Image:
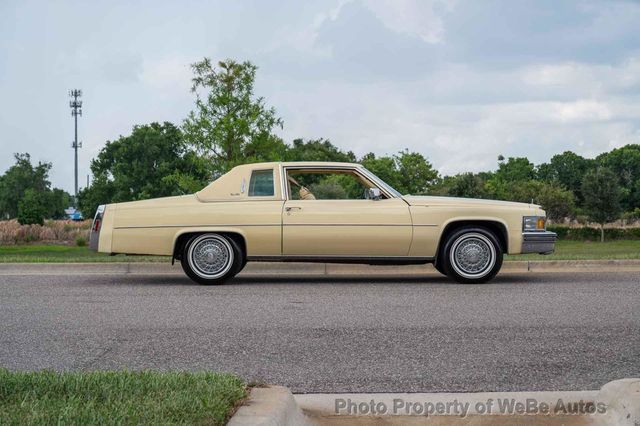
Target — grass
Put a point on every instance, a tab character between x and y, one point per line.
565	250
583	250
59	253
118	397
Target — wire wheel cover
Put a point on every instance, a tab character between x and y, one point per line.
210	256
473	255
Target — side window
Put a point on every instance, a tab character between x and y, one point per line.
308	184
261	183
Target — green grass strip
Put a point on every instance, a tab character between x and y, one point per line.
565	250
117	397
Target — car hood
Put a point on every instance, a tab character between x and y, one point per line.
426	200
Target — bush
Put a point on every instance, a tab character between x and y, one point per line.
587	233
81	241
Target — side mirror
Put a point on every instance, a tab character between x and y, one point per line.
373	193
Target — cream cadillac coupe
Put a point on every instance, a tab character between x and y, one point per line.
320	212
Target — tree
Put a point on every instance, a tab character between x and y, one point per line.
18	179
57	201
31	209
566	169
415	173
558	202
625	164
515	169
407	172
151	162
317	150
384	168
465	185
602	194
229	125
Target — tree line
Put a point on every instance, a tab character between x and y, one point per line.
230	125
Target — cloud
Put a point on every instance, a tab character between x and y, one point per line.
459	81
421	18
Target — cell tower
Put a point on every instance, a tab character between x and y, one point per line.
76	110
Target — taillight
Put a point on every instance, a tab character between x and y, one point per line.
97	219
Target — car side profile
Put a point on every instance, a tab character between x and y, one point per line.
320	212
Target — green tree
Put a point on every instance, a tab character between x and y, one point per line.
515	169
317	150
602	195
151	162
566	169
18	179
407	172
57	201
32	208
625	164
465	185
383	167
415	173
558	202
229	125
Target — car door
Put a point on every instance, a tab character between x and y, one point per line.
346	227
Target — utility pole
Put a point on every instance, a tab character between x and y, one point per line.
76	110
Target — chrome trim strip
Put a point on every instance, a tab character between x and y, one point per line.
345	224
192	226
266	224
397	260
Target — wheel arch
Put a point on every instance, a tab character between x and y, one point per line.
497	226
181	238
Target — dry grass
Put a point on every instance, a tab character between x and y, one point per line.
53	231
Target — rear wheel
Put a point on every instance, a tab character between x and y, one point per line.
472	255
211	258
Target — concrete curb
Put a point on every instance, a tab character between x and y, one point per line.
273	406
617	403
623	399
306	269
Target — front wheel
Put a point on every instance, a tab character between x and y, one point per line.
211	258
472	255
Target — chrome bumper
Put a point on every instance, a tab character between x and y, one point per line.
96	226
543	242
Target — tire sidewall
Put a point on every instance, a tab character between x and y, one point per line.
446	255
232	269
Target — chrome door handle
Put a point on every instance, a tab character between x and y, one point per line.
288	209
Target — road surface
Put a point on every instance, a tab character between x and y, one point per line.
524	331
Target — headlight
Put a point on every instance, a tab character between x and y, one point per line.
534	223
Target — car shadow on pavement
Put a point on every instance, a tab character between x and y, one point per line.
167	280
365	279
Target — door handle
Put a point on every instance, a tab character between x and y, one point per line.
288	209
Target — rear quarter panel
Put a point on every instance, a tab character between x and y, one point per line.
152	226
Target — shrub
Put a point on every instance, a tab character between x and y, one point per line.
57	231
81	241
587	233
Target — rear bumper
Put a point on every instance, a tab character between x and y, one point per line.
96	227
539	242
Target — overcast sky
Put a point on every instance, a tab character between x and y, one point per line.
459	81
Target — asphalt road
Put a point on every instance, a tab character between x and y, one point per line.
527	331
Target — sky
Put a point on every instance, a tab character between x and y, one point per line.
459	81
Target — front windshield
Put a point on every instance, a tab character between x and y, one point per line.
382	183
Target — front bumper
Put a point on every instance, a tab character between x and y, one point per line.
541	242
